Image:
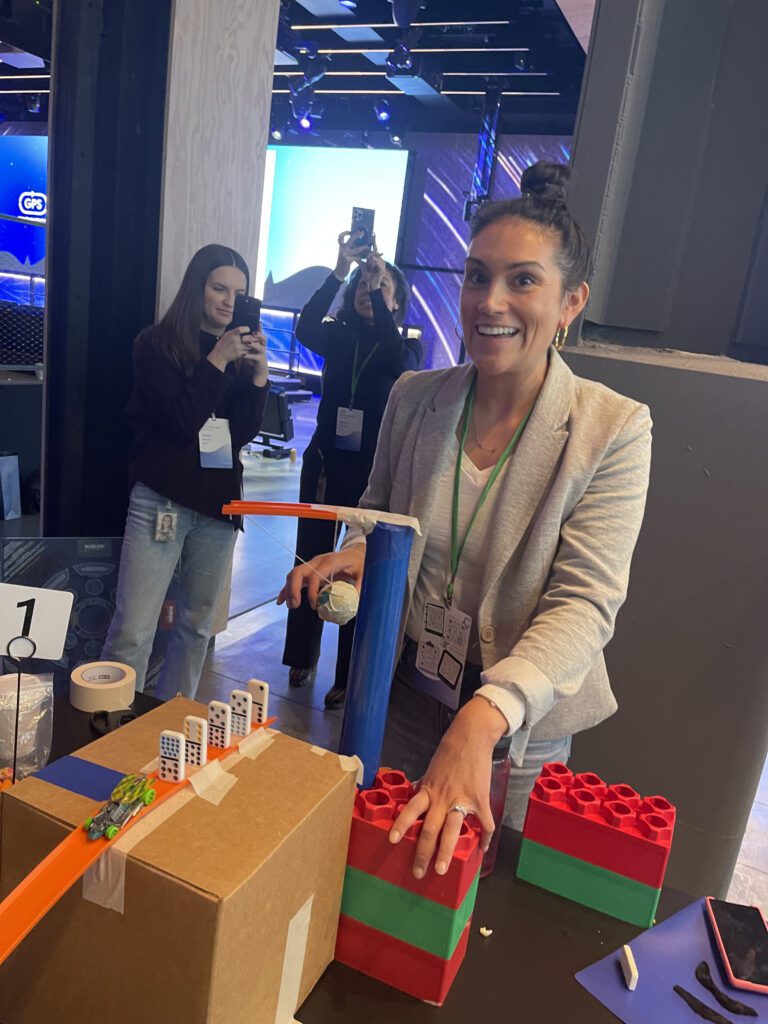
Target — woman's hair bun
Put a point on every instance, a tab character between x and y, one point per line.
545	181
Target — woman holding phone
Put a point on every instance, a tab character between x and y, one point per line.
364	353
198	396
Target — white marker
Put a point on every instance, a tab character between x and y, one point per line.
170	762
196	735
241	702
259	691
219	724
629	968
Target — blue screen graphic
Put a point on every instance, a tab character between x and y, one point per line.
23	184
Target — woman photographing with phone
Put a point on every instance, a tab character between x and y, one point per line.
198	396
364	354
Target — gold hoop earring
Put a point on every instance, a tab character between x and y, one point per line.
561	335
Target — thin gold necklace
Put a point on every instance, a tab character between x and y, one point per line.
480	445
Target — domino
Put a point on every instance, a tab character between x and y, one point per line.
171	767
219	724
196	735
241	702
259	692
629	968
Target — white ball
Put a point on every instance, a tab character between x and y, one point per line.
338	602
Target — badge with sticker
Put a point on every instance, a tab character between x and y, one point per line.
442	653
215	444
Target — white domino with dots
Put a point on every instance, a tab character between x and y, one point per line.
240	701
170	762
219	724
259	691
196	735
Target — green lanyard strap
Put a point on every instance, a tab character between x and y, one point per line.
456	547
357	374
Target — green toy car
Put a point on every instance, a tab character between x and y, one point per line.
128	797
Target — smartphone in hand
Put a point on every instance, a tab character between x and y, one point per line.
362	227
247	313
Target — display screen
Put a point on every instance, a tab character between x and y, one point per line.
309	193
23	187
745	939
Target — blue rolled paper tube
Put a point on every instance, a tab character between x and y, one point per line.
375	647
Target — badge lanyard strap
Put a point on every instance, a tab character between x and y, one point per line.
357	374
456	547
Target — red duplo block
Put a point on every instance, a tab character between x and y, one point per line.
612	827
396	963
371	851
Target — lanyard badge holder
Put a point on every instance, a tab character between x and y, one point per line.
445	630
215	442
349	421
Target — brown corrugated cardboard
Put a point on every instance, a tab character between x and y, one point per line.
209	894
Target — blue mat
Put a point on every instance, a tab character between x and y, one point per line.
667	955
79	776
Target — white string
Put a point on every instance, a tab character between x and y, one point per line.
292	552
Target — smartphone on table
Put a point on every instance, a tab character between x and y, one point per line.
247	313
362	227
741	934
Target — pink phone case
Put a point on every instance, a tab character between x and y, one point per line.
733	980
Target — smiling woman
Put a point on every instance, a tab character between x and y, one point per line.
529	484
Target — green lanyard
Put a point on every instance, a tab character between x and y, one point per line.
357	374
456	547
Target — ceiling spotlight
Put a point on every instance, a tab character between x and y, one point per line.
305	122
400	59
277	134
396	138
404	11
382	111
351	4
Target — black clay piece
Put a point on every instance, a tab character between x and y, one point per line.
704	977
701	1008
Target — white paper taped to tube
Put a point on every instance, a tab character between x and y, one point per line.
338	602
366	518
102	686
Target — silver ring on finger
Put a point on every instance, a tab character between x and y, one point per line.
464	811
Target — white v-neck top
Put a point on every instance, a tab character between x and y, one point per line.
436	563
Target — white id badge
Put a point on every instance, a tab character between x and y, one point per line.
215	444
442	653
165	524
349	429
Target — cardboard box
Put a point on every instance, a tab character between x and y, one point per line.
212	926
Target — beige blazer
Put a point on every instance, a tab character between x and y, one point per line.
573	497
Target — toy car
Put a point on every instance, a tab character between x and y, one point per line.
129	796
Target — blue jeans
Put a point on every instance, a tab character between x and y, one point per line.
203	550
416	723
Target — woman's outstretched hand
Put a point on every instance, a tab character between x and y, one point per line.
459	774
350	251
346	564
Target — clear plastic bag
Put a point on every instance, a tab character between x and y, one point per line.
35	721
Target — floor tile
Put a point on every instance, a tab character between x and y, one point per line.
754	846
750	887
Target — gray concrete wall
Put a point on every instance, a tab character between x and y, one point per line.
689	661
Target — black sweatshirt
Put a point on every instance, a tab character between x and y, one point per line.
335	341
166	410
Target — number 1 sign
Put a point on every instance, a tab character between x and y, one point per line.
41	615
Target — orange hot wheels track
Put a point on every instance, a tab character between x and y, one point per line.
34	896
298	509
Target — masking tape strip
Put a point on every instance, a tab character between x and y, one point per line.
104	881
212	783
366	518
318	750
352	764
102	686
255	744
293	964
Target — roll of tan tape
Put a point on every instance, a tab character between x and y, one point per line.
102	686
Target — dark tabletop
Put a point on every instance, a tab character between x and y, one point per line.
522	974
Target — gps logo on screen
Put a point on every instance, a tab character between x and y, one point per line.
33	204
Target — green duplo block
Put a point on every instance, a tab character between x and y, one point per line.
585	883
404	915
